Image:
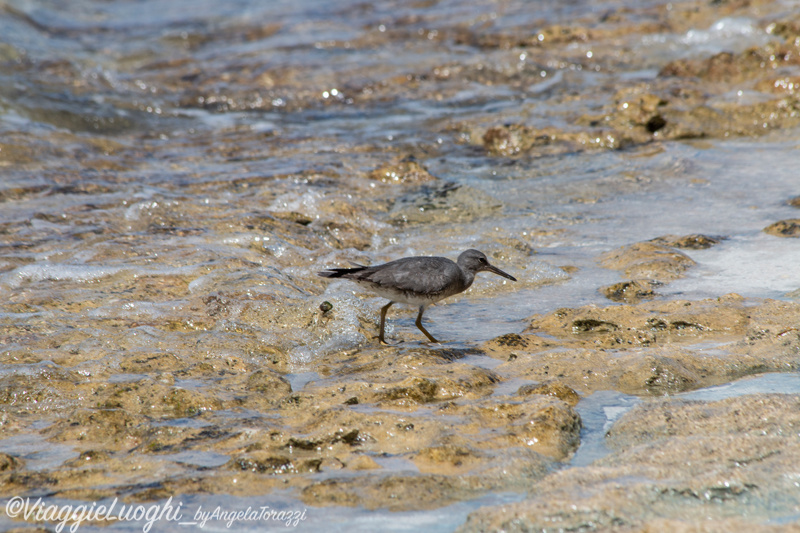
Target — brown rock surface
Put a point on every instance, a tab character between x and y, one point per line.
784	228
647	260
693	466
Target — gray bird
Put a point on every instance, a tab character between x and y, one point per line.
419	281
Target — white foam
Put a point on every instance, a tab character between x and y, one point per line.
732	34
342	331
724	30
140	310
306	203
57	272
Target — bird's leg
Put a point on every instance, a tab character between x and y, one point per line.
383	323
419	325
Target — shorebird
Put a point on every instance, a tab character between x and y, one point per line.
419	281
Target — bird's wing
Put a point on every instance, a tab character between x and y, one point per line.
428	275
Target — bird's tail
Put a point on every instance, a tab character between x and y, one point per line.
341	272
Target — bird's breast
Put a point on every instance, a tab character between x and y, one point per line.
403	296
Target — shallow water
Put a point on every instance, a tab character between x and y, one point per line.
172	177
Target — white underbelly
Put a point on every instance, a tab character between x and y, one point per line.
401	296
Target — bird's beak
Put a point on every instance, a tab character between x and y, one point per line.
492	268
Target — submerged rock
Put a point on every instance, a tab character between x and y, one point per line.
688	242
517	139
447	202
111	429
407	171
629	291
784	228
155	399
645	260
9	463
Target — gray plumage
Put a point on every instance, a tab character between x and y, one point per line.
419	281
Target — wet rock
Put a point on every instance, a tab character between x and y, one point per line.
629	291
28	529
636	112
771	328
545	424
10	155
11	423
511	345
688	100
516	139
477	473
657	375
344	235
21	153
90	457
407	379
10	462
784	228
783	85
657	347
412	390
730	68
645	260
335	431
95	479
279	231
698	461
407	171
448	459
795	201
646	323
233	481
331	492
688	242
164	438
759	414
27	393
363	462
155	399
44	387
267	383
262	462
512	139
111	429
416	390
338	221
511	340
261	389
301	325
552	388
151	363
447	202
20	482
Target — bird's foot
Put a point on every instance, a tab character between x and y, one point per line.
384	343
